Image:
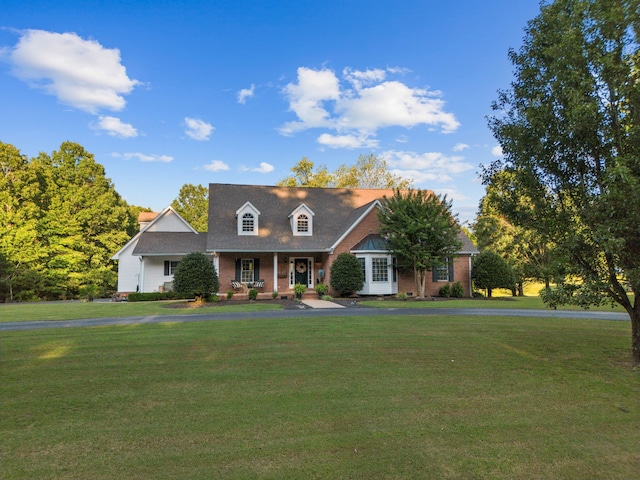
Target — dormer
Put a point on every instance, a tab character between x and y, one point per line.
247	219
302	221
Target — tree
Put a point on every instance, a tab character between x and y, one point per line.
569	128
192	204
346	275
421	231
195	276
490	271
368	172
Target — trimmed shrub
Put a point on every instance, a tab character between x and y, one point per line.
445	291
196	276
457	290
151	296
346	275
253	294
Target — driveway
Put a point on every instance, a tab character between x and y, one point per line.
316	312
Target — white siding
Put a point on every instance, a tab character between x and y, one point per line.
154	276
169	222
128	269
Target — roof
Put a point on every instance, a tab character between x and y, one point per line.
336	211
147	216
373	243
169	243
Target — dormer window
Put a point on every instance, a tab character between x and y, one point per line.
302	221
247	218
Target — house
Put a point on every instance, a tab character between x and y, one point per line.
272	238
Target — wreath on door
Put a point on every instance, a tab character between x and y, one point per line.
301	267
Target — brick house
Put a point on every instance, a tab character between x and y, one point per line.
271	238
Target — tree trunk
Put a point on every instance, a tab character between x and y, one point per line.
489	292
635	335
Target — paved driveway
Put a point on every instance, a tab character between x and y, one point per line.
311	312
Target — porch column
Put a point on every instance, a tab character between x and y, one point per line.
141	275
275	271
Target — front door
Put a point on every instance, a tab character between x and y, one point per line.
300	271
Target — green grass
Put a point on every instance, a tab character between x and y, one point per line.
57	311
395	397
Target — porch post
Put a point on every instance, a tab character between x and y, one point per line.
275	271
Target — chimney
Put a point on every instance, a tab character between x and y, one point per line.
145	218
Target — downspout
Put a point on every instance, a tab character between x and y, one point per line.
470	284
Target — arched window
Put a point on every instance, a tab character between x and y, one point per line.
303	223
248	223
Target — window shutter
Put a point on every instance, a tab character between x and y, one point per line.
451	269
256	269
166	267
434	274
238	270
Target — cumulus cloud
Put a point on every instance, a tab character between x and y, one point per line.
114	127
497	151
246	93
263	168
216	166
144	157
79	72
347	141
459	147
364	102
428	166
198	129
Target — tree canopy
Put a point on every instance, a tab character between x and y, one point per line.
368	172
491	271
61	220
196	276
192	204
569	128
421	230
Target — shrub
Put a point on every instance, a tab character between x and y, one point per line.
346	275
253	294
151	296
230	294
490	271
195	276
457	290
274	294
327	297
401	296
445	291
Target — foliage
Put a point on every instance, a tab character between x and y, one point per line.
61	221
421	230
346	275
196	276
299	288
230	294
321	288
274	294
368	172
569	128
401	296
192	204
490	271
152	296
253	294
457	290
445	291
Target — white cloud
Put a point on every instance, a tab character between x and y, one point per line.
216	166
144	157
198	129
431	167
264	168
369	103
459	147
346	141
497	151
81	73
246	93
114	127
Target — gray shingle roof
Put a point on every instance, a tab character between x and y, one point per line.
335	209
170	243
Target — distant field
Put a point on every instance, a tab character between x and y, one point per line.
394	397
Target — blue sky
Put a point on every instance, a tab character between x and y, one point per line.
165	93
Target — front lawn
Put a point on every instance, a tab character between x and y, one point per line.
395	397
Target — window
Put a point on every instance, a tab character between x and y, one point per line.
443	272
379	269
363	266
303	223
170	267
246	270
248	222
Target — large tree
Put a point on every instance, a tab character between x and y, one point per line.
368	172
421	230
569	127
193	205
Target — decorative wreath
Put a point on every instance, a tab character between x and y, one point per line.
301	268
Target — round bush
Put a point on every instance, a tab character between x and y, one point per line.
195	276
346	275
